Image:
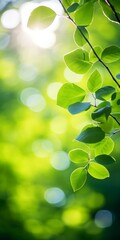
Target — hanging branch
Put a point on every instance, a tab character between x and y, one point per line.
99	59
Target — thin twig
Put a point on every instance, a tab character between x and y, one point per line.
99	59
115	119
114	11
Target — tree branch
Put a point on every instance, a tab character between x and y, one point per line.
115	119
99	59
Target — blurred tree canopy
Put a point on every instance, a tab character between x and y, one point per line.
36	198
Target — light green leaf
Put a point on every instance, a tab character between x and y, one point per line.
79	107
111	54
84	14
79	156
108	125
78	178
98	171
104	147
91	135
79	39
104	159
77	61
94	81
41	17
92	56
67	3
68	94
104	93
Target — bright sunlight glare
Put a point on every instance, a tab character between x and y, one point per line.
42	38
10	19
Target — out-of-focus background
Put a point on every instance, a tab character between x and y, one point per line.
36	198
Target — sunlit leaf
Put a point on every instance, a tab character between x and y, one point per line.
94	81
77	61
98	171
111	54
78	178
92	56
104	147
79	156
91	135
68	94
104	159
84	14
41	17
78	37
79	107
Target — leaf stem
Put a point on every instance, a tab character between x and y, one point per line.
113	9
99	59
115	119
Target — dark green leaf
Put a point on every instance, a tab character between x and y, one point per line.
118	76
84	14
103	111
41	17
78	178
68	94
77	61
78	107
91	135
105	159
111	54
104	92
98	171
73	7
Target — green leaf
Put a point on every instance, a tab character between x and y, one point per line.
77	61
94	81
98	171
111	54
92	56
102	113
68	94
91	135
104	159
79	39
108	125
41	17
104	93
84	147
116	5
78	178
84	14
73	7
106	146
67	3
107	10
79	156
79	107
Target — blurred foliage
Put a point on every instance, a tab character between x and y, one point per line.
36	199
